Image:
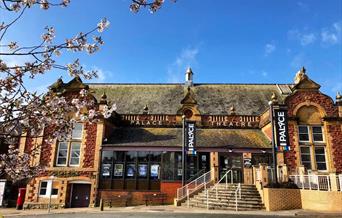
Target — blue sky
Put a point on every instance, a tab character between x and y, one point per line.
235	41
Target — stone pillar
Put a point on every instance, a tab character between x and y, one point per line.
264	174
333	181
214	165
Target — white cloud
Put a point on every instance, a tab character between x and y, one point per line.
176	70
303	38
269	48
332	35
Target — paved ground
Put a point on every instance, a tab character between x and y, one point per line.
158	212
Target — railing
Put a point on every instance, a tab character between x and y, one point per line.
312	182
237	193
216	185
198	174
193	186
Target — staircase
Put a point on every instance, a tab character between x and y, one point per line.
225	198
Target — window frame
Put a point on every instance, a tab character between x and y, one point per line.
308	133
49	187
69	142
312	134
312	144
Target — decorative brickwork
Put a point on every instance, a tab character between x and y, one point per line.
290	156
28	143
90	144
311	96
335	134
46	150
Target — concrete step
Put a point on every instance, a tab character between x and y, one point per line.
204	198
224	206
242	202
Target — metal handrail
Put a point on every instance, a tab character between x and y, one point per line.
237	191
199	173
216	185
194	185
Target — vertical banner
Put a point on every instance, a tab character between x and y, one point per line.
190	137
281	130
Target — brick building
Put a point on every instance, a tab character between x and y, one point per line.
139	149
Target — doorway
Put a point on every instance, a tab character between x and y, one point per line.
80	195
231	161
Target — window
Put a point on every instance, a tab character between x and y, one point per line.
47	188
68	152
62	154
312	149
305	157
320	158
303	133
75	154
77	131
317	134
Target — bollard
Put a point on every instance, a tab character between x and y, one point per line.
101	204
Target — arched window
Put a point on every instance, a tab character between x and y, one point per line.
312	143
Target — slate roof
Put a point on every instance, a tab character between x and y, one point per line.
159	137
212	99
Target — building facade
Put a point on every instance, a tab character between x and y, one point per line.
138	150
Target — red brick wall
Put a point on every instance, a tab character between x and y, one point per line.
28	143
311	96
335	133
90	144
46	150
290	156
170	188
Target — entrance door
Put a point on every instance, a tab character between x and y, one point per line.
80	196
231	161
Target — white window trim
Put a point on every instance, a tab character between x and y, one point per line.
310	154
48	189
69	157
312	133
57	154
325	157
308	129
80	138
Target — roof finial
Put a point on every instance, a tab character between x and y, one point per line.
145	110
232	110
103	98
300	75
338	97
188	76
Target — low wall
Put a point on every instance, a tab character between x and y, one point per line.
282	199
287	199
321	200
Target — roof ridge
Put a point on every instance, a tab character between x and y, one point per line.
195	84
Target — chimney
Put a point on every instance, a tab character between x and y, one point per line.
188	77
339	103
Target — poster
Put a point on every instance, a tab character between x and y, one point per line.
142	169
118	169
281	130
155	170
130	170
106	168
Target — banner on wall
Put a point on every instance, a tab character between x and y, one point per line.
190	137
281	130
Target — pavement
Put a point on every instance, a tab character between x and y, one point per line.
159	211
